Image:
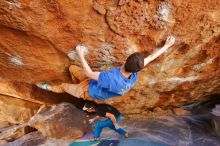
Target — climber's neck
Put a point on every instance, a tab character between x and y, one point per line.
125	73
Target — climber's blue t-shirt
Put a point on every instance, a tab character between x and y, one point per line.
111	83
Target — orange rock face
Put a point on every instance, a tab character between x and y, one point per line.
37	36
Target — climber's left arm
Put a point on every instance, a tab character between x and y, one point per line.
169	42
89	73
113	119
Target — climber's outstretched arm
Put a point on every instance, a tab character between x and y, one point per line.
87	69
169	42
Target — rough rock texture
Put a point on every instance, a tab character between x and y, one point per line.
14	132
216	119
181	112
62	121
33	139
2	142
15	111
36	37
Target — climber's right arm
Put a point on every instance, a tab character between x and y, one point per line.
89	73
169	42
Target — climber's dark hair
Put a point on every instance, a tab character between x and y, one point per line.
89	105
134	62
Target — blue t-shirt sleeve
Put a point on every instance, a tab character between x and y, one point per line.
104	80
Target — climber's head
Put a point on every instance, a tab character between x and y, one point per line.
134	62
89	107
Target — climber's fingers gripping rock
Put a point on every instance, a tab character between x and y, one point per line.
81	50
170	41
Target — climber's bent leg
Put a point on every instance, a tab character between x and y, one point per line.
53	88
78	90
56	88
77	73
72	89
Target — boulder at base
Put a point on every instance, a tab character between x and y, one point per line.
62	121
216	119
31	139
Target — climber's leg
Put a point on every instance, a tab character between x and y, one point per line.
77	73
78	90
73	89
56	88
53	88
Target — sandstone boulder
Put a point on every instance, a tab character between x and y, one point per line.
62	121
16	111
31	139
14	132
216	119
2	142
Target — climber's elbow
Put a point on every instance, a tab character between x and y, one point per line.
93	75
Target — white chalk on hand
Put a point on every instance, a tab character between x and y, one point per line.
73	55
83	48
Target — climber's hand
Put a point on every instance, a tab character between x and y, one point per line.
170	41
92	120
80	50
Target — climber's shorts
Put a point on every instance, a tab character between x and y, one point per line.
81	89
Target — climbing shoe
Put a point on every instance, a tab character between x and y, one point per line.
126	135
42	86
94	139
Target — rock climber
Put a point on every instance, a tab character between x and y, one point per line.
106	84
104	110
